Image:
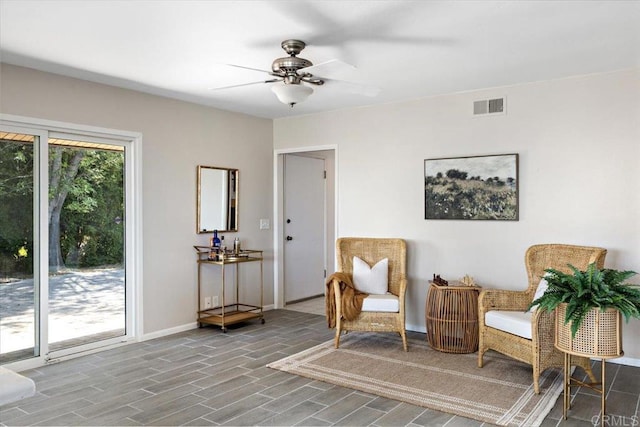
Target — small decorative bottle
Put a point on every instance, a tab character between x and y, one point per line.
236	245
216	240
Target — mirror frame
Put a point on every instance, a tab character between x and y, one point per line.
233	176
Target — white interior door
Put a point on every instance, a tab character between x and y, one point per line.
304	223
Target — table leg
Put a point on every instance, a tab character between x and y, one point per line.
566	403
604	394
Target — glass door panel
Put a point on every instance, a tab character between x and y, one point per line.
87	297
19	292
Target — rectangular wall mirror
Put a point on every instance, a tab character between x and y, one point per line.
217	207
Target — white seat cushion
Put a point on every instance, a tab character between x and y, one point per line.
513	322
14	386
387	303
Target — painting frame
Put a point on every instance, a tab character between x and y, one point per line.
474	188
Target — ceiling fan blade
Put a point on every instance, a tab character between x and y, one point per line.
252	69
355	88
339	73
325	27
246	84
329	69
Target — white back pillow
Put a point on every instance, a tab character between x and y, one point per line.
542	287
371	280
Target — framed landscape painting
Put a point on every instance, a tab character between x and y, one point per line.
476	188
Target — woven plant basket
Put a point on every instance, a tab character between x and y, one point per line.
600	334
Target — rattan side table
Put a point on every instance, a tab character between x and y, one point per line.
451	313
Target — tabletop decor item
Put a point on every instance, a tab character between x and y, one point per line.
439	280
468	281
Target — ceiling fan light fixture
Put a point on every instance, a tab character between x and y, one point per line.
291	93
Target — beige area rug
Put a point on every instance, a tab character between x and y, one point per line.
500	393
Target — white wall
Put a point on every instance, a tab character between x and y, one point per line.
177	136
579	146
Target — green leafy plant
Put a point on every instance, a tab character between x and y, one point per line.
592	288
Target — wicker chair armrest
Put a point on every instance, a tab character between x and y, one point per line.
337	293
335	284
402	291
333	309
497	299
336	278
544	329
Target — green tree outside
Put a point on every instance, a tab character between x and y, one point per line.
86	208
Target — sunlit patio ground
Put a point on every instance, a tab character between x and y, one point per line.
82	303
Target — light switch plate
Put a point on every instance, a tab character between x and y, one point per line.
264	224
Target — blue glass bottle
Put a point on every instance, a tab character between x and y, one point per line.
216	240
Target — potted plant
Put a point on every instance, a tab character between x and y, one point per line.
589	307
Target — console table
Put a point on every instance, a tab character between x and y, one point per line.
236	312
451	313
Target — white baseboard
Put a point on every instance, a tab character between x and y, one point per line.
170	331
182	328
415	328
629	361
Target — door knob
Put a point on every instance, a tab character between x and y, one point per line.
289	238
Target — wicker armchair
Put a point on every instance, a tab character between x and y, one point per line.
372	250
538	351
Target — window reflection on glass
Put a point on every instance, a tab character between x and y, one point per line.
18	312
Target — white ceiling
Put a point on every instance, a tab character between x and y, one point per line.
408	49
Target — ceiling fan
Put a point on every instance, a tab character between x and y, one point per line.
295	76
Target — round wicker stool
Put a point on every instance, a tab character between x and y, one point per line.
452	318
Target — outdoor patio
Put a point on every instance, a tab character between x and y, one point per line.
84	306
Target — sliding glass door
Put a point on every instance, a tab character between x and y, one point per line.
19	292
87	289
63	244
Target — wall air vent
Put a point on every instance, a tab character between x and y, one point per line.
489	106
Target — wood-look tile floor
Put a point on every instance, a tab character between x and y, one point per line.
311	306
206	377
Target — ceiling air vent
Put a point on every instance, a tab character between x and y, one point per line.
489	106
